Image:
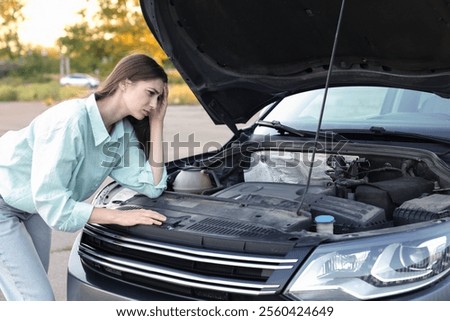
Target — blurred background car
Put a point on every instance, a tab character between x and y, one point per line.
79	79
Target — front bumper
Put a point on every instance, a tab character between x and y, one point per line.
84	284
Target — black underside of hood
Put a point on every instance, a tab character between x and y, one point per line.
237	56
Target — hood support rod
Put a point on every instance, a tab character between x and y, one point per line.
319	124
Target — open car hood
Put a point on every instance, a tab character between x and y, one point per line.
237	56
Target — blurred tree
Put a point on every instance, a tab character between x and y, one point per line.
10	18
95	44
37	64
82	45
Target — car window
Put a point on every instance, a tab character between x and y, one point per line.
364	107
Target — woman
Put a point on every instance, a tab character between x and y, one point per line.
50	167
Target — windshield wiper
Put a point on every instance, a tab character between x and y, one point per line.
383	132
379	131
282	129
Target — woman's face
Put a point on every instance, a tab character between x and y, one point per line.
140	97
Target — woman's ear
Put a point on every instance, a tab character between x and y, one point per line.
124	84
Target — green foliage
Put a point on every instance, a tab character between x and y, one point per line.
94	45
119	30
36	65
10	18
14	89
50	92
8	93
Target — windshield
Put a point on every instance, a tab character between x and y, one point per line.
350	109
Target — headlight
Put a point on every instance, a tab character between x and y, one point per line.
375	267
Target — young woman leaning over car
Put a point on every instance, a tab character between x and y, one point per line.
50	167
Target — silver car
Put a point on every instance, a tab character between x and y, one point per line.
79	79
339	191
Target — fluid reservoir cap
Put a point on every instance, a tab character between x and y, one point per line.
324	219
324	224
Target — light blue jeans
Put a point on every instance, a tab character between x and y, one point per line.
24	255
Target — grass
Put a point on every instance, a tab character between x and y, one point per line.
50	92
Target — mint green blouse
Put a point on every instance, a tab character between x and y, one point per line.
51	166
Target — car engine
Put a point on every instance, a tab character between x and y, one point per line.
267	193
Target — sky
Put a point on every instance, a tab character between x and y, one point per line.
45	20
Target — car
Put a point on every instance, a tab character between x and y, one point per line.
79	79
340	190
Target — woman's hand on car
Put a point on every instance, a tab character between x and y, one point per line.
126	218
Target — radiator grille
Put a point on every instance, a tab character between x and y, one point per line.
186	270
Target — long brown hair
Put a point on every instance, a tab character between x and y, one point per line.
134	67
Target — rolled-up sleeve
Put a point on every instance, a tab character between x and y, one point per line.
134	172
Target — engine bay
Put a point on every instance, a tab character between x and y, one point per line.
360	193
268	194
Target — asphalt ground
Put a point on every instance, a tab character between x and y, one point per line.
188	131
